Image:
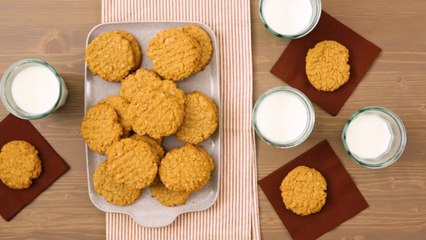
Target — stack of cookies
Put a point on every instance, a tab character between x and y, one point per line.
129	127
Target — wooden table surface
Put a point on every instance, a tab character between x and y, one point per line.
56	31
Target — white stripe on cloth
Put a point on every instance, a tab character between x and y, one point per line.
236	212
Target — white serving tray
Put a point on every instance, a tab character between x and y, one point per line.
147	211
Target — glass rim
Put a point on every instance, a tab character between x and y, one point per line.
6	77
303	33
310	114
401	129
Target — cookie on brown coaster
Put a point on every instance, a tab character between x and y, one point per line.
201	118
100	128
175	54
19	164
327	65
205	42
113	192
158	111
120	105
133	163
168	197
132	84
303	191
186	169
110	56
136	48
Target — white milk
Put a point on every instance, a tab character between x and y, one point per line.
281	117
368	136
35	89
287	17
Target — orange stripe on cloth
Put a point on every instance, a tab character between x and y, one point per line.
235	215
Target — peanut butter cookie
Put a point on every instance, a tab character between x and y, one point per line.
303	191
205	42
327	65
201	118
175	54
110	56
186	169
113	192
132	84
155	145
133	163
19	164
168	197
136	48
100	128
120	105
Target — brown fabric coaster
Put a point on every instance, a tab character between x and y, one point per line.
13	201
290	67
344	200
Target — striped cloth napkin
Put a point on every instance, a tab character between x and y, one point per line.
235	215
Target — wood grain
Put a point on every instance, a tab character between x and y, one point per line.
56	32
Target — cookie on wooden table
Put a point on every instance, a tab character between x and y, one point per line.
19	164
303	191
186	169
201	118
327	65
175	54
113	192
101	128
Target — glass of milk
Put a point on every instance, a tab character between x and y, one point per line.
290	19
32	89
374	137
283	117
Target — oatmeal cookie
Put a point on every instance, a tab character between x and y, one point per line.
133	163
201	118
110	56
168	197
327	65
19	164
157	113
186	169
175	54
132	84
113	192
136	48
205	42
100	128
120	105
303	190
155	145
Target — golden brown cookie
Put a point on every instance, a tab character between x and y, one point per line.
136	48
19	164
186	169
155	145
327	65
168	197
110	56
133	163
120	105
201	118
132	84
205	42
303	190
113	192
156	112
175	54
100	128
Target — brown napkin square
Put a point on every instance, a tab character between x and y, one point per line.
290	67
344	200
13	201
